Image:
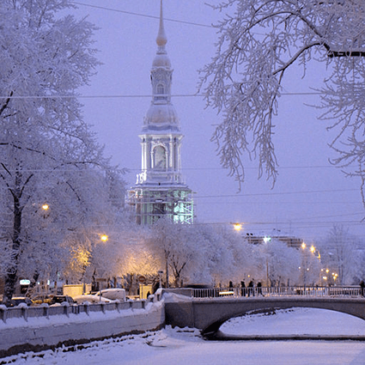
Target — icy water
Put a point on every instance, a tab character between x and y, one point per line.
186	347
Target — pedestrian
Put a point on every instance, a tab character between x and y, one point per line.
230	286
155	287
259	289
243	289
251	289
362	286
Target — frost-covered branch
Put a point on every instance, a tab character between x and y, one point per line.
258	42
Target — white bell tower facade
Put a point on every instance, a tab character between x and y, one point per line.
160	189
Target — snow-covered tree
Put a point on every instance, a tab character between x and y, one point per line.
341	253
235	257
278	263
219	258
259	40
178	247
47	152
310	265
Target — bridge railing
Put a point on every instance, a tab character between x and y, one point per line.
313	291
45	311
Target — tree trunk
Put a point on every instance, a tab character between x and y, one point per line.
32	284
11	276
167	269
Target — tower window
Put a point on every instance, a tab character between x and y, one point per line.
160	89
159	158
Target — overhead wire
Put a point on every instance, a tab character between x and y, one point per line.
126	96
143	15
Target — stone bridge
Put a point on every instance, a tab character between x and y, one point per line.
210	313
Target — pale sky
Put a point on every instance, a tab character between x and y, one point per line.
309	196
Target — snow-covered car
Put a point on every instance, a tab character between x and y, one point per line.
15	301
92	299
113	294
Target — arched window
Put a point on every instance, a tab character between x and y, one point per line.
160	92
160	89
159	158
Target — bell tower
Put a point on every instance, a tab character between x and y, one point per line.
160	188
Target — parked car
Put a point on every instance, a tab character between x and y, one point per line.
15	301
39	299
92	299
61	299
113	294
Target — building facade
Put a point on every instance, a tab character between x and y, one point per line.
160	189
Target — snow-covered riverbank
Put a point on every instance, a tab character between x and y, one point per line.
185	346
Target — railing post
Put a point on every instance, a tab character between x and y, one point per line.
25	313
46	312
3	311
65	308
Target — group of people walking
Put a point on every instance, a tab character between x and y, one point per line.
250	289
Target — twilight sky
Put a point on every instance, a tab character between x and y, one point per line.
310	195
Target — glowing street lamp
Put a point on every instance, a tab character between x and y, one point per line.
45	206
104	237
237	226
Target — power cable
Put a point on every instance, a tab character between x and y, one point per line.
144	15
271	194
124	96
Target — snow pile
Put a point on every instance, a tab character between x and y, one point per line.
176	298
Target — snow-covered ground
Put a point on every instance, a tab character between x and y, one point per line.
185	346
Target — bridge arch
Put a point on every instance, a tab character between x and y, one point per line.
210	317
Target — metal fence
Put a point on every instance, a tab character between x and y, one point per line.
313	291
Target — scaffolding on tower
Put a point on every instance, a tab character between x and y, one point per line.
150	204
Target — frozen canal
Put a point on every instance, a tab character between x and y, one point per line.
185	347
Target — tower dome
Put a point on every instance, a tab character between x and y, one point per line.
161	116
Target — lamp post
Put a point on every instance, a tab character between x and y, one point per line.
103	238
160	272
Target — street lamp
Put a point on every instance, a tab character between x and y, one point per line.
104	237
45	206
237	226
160	272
